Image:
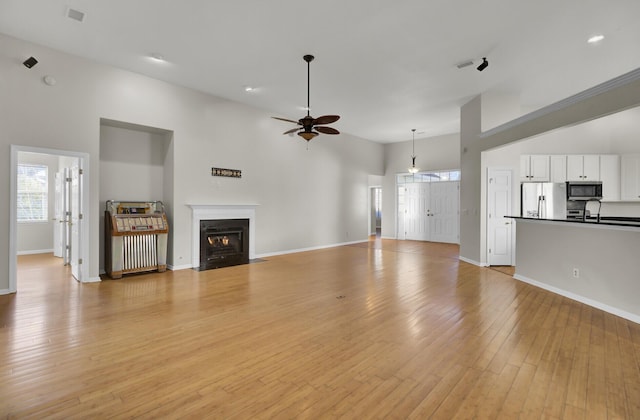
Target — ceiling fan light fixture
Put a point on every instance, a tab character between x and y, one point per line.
307	135
307	123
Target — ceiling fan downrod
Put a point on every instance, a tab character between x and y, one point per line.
308	58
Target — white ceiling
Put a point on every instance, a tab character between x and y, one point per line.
384	66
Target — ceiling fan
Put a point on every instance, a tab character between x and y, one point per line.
311	127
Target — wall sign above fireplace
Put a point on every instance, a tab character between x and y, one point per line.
229	173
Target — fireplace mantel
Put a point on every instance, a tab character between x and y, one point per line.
219	212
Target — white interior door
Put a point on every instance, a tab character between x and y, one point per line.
58	216
499	228
66	216
401	232
416	220
76	222
444	211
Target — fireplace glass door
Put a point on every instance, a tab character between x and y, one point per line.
224	243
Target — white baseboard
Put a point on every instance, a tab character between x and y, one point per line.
5	292
315	248
35	251
470	261
93	280
179	267
593	303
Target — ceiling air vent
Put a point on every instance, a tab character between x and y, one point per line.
464	64
75	14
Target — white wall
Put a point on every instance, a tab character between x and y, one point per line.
499	108
306	198
617	133
37	237
131	164
433	153
606	258
470	182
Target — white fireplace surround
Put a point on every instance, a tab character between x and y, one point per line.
221	212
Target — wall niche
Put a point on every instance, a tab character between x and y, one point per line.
136	163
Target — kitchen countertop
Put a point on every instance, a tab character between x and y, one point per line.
591	221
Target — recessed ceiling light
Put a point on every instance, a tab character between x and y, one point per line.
248	88
595	39
157	57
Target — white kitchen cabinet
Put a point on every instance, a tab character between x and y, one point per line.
610	177
558	168
583	167
629	178
534	168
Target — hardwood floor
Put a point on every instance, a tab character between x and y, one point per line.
385	329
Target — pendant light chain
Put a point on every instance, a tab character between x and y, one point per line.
412	169
413	148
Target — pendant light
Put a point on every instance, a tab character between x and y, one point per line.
413	169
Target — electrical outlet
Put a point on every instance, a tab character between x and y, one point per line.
576	273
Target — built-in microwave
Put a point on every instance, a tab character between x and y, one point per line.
584	190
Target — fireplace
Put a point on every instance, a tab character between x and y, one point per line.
223	243
220	212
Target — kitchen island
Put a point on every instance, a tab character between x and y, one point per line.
591	261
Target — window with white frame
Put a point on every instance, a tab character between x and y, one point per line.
431	176
33	190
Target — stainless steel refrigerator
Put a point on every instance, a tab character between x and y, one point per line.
543	200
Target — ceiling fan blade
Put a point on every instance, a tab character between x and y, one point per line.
293	130
284	119
326	119
326	130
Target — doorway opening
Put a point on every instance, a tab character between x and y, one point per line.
37	223
375	216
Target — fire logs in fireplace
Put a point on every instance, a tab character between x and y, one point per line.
223	243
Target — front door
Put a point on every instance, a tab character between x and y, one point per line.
416	220
444	217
